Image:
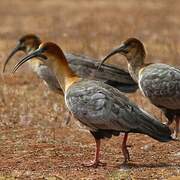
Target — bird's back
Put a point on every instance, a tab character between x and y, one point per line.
86	67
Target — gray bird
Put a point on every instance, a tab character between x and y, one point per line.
99	106
82	65
160	83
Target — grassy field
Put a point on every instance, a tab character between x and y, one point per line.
35	142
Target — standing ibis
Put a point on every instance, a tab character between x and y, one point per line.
97	105
160	83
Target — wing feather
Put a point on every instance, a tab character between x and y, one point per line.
161	84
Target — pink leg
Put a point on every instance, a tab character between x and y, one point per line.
177	119
96	162
125	150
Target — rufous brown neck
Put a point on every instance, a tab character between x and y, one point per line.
135	64
63	72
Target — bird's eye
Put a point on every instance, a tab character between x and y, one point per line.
44	48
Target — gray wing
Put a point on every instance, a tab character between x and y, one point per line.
87	68
161	84
100	106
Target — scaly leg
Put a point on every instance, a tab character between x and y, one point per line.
125	150
177	119
96	162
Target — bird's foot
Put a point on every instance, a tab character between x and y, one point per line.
94	164
124	164
126	154
126	160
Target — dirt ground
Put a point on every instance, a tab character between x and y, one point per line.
35	142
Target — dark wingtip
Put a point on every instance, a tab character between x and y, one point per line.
126	88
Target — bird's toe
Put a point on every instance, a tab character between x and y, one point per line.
94	164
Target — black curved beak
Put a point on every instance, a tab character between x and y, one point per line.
16	49
121	49
36	53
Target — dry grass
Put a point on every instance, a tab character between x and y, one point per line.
34	141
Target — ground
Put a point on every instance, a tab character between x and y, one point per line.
35	142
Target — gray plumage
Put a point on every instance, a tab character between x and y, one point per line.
49	78
161	84
102	107
85	67
99	106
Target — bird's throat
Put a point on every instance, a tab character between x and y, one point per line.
134	67
35	62
66	77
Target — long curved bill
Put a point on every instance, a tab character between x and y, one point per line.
36	53
119	49
16	49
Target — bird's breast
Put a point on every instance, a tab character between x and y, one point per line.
161	84
88	105
47	75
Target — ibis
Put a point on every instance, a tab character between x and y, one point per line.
103	109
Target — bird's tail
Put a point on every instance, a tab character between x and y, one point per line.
153	128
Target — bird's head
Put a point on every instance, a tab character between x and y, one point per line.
131	48
26	43
29	43
47	52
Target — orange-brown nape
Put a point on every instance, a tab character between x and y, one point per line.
52	55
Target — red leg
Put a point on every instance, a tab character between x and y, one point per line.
170	117
124	149
96	160
177	119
